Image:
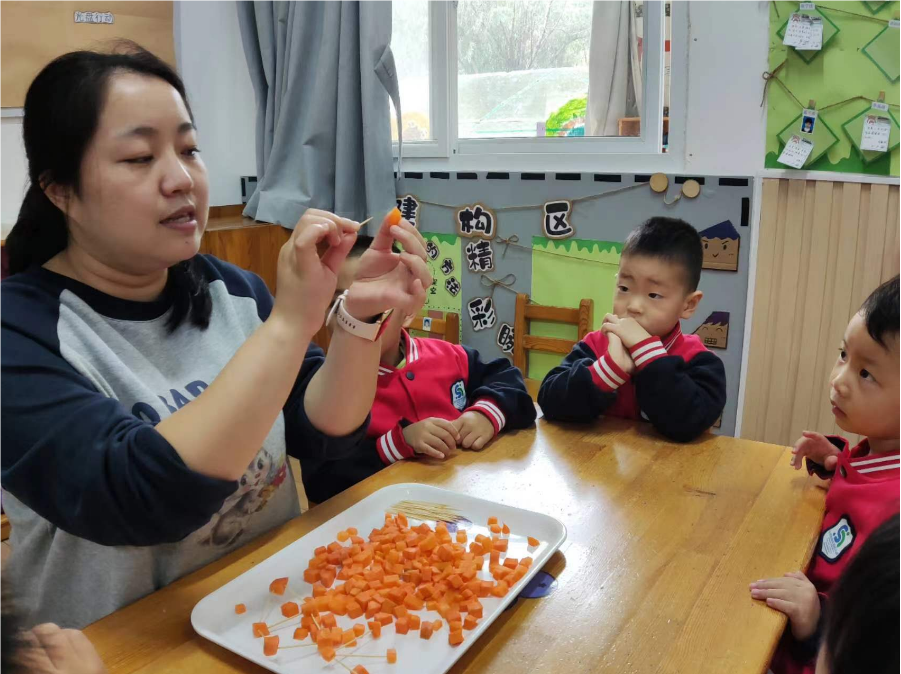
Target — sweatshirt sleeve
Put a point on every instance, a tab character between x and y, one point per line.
583	386
681	399
497	390
82	461
302	438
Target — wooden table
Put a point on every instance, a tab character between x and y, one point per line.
663	540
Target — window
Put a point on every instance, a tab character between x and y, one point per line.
533	76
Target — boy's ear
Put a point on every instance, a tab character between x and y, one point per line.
691	303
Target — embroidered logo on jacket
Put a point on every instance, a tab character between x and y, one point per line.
458	395
836	539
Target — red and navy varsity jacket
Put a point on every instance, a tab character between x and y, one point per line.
438	379
863	494
678	385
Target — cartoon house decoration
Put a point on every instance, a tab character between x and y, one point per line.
714	331
720	247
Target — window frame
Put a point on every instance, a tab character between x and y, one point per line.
467	152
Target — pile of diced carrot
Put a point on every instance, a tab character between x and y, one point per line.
399	571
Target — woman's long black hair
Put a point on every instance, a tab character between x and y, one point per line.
62	110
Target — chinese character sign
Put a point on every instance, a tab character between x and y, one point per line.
556	220
480	256
452	286
476	221
505	338
408	206
481	313
447	266
431	250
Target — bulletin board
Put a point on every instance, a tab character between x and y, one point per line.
859	58
34	33
604	208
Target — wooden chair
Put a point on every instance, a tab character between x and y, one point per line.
523	341
447	328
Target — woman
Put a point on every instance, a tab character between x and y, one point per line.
115	486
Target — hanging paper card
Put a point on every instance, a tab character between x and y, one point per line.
480	256
882	50
556	220
481	313
476	220
822	137
452	286
447	266
809	33
505	338
808	121
431	250
798	30
796	152
876	131
854	128
408	205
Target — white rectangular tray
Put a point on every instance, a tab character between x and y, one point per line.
214	616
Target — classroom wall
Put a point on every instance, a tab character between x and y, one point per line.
211	59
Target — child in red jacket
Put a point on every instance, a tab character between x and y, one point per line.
431	398
864	392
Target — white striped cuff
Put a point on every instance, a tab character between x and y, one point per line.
647	351
607	375
490	409
392	448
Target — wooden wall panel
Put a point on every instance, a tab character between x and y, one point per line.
35	33
254	248
823	247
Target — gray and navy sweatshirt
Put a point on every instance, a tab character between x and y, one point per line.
678	385
103	510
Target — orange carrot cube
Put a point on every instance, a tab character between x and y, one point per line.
260	630
290	609
278	585
240	608
392	656
270	646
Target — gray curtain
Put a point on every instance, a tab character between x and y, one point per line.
321	73
614	69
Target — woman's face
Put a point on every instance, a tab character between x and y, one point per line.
144	193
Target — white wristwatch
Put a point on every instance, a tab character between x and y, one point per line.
367	331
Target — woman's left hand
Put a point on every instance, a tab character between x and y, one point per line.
388	280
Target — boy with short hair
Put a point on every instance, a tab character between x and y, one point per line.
432	397
639	364
864	393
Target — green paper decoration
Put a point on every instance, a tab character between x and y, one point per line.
823	137
830	30
854	128
883	51
874	7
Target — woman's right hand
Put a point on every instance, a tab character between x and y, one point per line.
306	281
